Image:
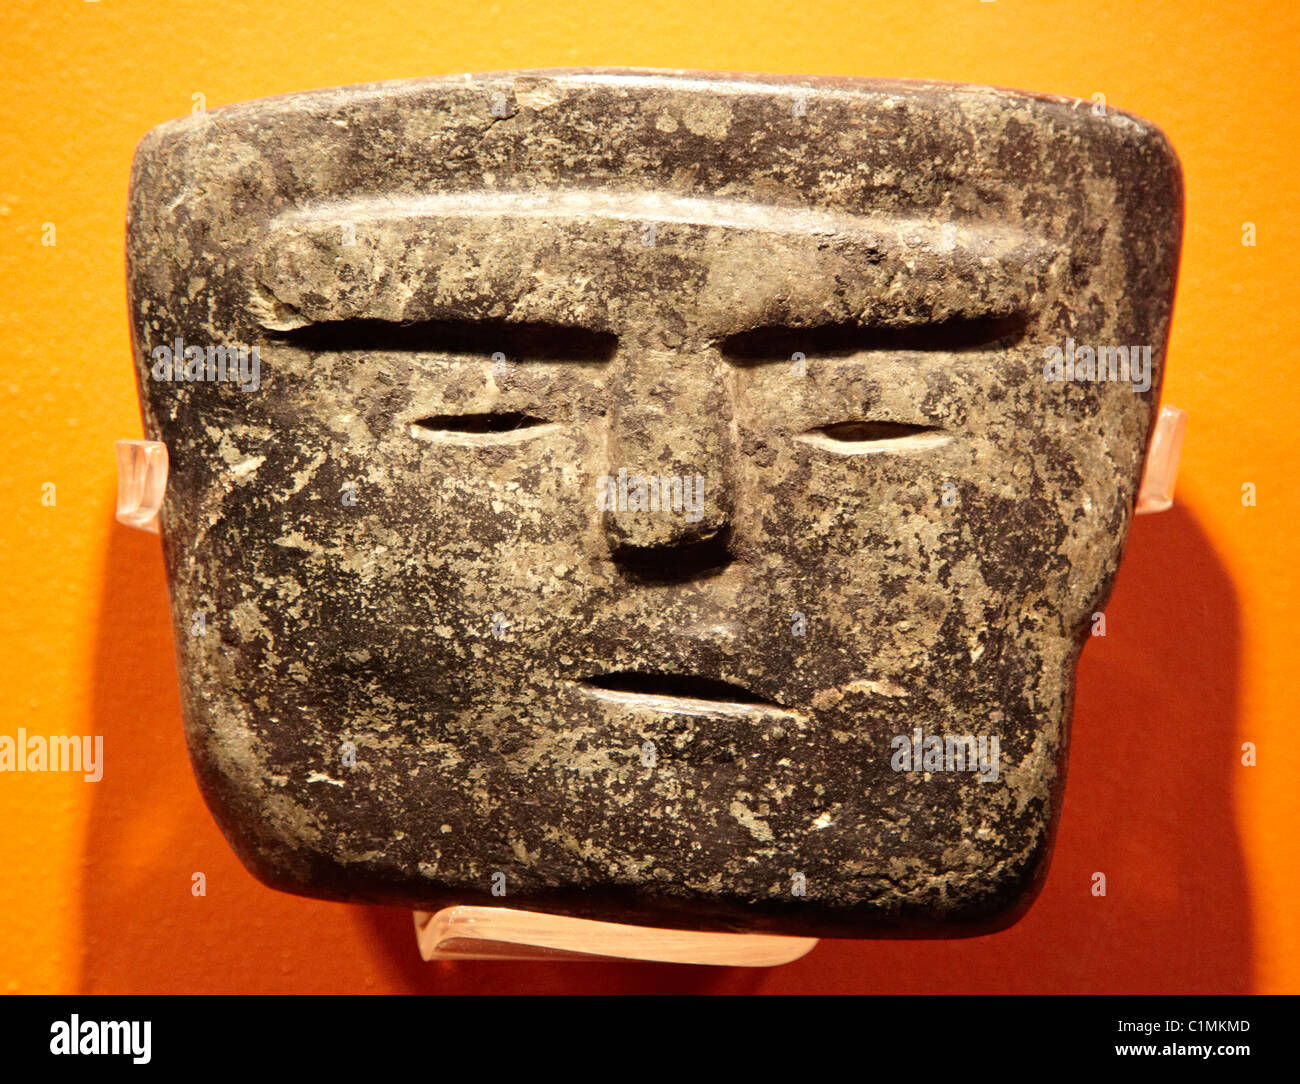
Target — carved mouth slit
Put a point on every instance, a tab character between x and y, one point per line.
677	687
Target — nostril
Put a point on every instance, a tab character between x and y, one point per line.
679	562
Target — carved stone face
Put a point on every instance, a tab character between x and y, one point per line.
645	483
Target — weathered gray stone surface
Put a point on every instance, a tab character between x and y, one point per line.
830	300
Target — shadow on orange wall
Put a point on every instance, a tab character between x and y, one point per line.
1149	803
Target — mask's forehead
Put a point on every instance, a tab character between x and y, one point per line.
1103	189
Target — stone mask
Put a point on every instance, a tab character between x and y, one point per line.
665	498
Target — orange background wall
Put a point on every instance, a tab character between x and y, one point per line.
1200	852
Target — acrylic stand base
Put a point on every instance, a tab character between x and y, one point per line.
501	933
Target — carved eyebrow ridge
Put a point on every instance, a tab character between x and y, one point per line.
778	342
526	341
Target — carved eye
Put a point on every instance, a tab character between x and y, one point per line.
489	427
860	437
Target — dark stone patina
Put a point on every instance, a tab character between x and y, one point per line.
442	649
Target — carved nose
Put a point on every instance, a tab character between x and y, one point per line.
668	480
